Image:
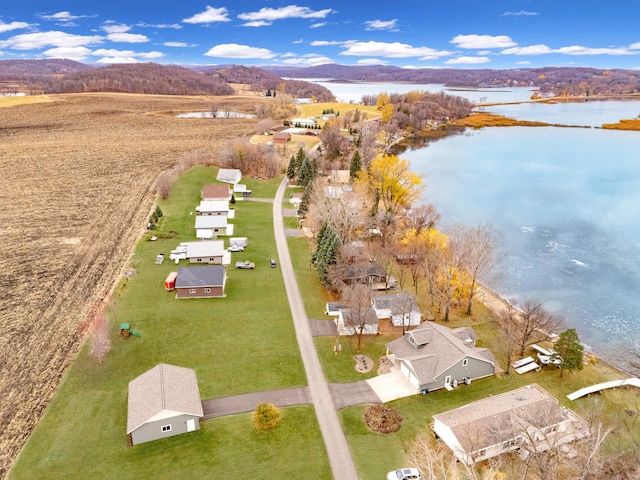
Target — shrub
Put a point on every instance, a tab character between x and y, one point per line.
382	418
266	417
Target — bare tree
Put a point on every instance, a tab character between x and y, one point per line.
481	259
357	298
534	324
99	333
451	262
264	126
162	185
506	322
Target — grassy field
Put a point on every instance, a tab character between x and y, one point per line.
242	343
316	109
76	172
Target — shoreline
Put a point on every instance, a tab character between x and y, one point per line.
498	305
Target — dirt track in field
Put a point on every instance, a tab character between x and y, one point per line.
75	177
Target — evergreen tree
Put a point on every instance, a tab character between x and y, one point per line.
356	165
291	169
300	156
269	92
306	174
570	350
306	200
327	248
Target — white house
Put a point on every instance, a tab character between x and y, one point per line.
229	175
164	401
215	207
401	308
216	223
349	323
208	251
525	420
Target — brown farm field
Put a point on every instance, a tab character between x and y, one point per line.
75	177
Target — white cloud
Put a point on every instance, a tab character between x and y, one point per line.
308	60
174	26
467	61
52	38
178	44
382	24
7	27
540	49
116	28
579	50
118	60
327	43
521	13
210	15
523	62
318	25
112	55
635	46
63	16
483	41
257	23
127	38
391	50
233	50
269	15
78	54
371	61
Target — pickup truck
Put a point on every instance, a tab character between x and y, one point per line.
245	265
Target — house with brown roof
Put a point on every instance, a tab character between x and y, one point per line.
201	282
281	138
163	402
527	420
215	191
432	356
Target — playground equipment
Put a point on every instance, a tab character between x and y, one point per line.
125	331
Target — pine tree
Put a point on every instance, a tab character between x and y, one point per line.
300	156
356	165
305	202
328	244
570	350
291	169
306	173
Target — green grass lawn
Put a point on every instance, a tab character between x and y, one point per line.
242	343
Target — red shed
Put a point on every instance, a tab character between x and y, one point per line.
170	282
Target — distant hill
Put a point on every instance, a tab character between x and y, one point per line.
261	79
558	80
18	69
148	78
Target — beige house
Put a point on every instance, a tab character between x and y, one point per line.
526	420
163	402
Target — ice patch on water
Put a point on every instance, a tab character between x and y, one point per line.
525	229
579	263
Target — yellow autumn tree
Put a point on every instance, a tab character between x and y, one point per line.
386	113
393	183
383	99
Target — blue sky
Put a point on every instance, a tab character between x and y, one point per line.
404	33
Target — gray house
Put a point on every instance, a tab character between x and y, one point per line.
163	402
432	356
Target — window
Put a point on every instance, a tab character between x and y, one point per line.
465	362
207	290
192	290
166	428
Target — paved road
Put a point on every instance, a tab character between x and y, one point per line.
340	458
247	402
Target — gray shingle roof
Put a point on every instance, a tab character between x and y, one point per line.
438	349
162	388
206	276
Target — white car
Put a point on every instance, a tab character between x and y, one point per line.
235	248
404	474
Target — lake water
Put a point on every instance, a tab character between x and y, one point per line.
568	203
353	92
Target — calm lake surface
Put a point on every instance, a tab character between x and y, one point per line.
567	201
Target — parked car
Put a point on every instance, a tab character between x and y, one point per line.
235	248
272	262
249	265
404	474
